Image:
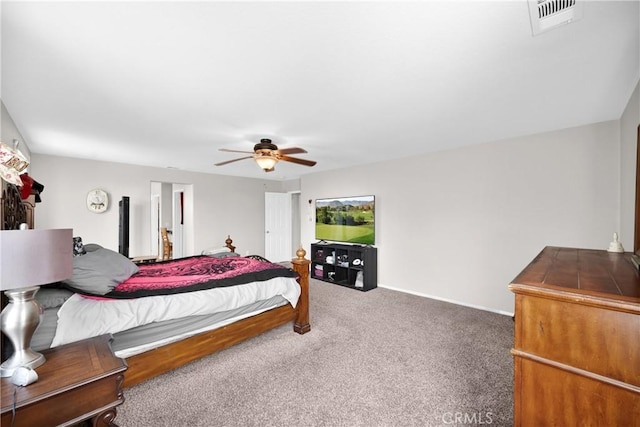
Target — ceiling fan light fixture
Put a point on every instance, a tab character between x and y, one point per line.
267	155
266	162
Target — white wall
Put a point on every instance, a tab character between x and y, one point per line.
460	225
222	205
10	133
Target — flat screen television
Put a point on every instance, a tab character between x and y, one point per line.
346	219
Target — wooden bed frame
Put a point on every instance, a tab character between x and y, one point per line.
165	358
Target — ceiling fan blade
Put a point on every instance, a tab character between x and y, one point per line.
298	161
234	160
235	151
292	150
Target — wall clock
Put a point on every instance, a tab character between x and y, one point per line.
97	200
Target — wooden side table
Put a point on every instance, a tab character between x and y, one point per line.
79	381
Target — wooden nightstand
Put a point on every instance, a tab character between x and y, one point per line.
79	381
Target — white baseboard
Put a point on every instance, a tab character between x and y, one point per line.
505	313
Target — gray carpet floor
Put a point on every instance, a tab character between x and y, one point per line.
377	358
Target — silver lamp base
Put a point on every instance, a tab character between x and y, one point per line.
19	320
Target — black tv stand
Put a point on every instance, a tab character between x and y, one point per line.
352	266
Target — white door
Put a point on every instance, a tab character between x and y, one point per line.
277	227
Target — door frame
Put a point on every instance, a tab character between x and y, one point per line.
636	233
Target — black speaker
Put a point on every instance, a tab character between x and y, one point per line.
123	235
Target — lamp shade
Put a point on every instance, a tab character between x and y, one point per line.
35	257
266	162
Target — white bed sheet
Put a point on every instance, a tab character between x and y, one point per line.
132	351
80	318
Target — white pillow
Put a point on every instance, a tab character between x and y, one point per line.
213	251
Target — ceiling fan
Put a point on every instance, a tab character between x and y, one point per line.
267	154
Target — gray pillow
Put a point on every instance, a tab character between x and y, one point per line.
99	271
90	247
52	297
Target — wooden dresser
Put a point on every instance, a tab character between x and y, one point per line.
577	340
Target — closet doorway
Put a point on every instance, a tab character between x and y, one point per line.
282	225
172	208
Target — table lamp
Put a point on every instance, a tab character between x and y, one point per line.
28	259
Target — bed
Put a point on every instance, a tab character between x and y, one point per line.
183	339
166	314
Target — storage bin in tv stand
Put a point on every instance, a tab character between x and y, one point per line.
344	264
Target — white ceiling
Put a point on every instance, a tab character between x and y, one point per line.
169	83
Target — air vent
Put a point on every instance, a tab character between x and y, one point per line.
549	14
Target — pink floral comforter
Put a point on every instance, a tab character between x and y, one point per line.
195	274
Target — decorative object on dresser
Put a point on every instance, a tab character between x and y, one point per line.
352	266
80	381
615	245
28	259
577	339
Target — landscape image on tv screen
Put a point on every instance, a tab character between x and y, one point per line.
346	219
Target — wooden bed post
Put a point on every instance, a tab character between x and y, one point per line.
228	243
301	266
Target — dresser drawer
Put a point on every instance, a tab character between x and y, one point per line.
551	396
598	340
